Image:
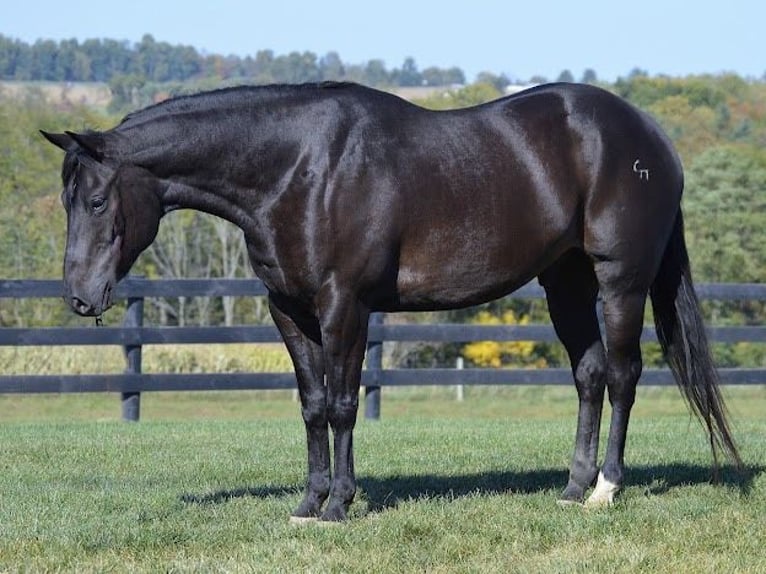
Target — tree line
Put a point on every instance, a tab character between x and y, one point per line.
106	60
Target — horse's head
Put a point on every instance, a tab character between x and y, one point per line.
113	211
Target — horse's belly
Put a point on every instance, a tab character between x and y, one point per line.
427	289
434	279
455	254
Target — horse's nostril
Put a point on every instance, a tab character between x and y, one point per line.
81	306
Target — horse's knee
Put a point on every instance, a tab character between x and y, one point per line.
314	409
590	375
342	410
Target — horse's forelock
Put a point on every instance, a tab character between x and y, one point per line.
69	167
68	171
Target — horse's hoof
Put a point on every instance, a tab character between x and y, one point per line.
573	495
603	495
334	515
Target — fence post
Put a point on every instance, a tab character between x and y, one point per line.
460	389
131	401
375	367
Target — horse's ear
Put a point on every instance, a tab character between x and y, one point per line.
63	141
92	143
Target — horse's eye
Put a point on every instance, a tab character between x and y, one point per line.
98	203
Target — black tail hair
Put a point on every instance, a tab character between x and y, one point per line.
681	333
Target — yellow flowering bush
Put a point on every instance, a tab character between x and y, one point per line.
502	353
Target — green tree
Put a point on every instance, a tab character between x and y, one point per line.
434	76
296	67
408	75
589	76
725	209
692	128
107	58
499	82
44	60
72	63
11	58
331	67
375	73
126	92
262	67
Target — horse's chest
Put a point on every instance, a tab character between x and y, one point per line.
281	259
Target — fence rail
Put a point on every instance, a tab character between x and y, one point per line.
132	335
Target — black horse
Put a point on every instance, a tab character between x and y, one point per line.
352	200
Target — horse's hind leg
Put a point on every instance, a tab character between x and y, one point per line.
623	299
571	289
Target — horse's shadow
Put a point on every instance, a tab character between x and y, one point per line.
387	492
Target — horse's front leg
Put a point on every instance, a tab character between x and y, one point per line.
344	337
303	340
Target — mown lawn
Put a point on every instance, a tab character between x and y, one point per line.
444	487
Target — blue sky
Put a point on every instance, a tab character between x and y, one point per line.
520	39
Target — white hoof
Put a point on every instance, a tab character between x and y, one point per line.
603	494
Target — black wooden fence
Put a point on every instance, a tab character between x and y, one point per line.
133	334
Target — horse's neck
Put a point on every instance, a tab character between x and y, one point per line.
213	200
211	172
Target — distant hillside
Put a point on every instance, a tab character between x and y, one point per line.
58	94
98	94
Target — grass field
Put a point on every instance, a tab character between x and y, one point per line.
206	481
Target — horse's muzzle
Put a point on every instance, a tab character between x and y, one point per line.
86	308
81	307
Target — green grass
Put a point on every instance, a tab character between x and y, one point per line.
444	487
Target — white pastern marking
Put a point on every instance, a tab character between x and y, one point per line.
603	494
643	173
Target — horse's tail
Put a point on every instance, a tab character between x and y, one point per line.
681	333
